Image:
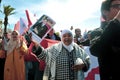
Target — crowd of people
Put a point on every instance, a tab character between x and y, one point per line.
16	50
21	58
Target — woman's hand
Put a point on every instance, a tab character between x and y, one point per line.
78	67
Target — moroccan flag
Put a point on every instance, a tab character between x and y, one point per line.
31	18
48	42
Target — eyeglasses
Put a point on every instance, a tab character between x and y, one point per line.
115	6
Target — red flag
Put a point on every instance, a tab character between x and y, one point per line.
92	73
31	18
48	42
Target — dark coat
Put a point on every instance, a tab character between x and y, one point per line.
107	49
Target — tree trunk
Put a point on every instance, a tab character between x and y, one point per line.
5	24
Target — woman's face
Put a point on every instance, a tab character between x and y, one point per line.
67	39
14	35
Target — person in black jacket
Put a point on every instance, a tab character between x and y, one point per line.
107	47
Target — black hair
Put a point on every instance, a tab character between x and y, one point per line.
105	5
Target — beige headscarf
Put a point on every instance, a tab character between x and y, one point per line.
11	45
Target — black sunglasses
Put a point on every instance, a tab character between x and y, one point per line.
115	6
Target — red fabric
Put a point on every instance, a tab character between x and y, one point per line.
31	56
50	42
91	74
44	43
28	18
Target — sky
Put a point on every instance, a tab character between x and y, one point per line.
83	14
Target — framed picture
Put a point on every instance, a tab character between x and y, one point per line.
41	28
